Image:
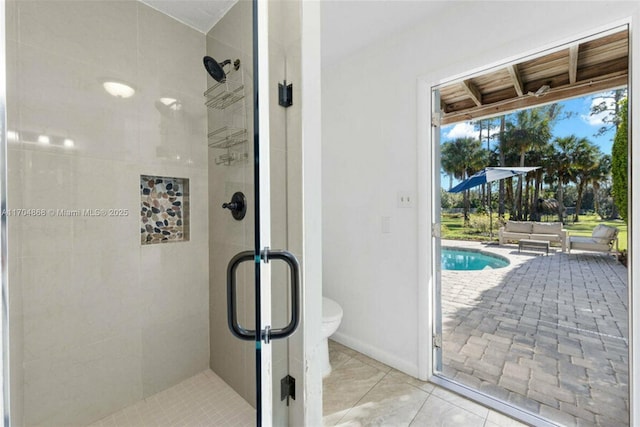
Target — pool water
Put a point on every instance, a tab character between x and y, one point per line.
469	259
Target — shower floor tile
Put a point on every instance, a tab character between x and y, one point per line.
202	400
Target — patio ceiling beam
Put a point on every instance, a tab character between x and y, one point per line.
517	81
472	91
555	94
573	63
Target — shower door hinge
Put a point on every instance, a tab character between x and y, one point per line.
437	340
288	388
285	94
436	119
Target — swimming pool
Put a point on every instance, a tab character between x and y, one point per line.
470	259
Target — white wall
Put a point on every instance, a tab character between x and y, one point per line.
310	89
370	151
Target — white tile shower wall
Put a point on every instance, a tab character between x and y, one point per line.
105	322
231	358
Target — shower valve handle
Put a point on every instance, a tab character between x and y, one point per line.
237	205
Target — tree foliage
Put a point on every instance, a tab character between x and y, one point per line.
609	106
619	162
527	134
461	158
572	172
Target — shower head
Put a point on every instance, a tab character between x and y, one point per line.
214	68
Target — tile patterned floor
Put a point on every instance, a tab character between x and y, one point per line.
548	333
364	392
359	392
202	400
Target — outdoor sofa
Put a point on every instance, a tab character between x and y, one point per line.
547	231
602	239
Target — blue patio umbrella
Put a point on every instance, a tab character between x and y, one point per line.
487	176
490	174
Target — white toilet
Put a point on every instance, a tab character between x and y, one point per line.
331	318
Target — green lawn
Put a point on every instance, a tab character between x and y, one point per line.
453	227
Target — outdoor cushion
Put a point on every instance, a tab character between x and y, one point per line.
604	232
518	227
546	236
547	228
516	236
600	240
589	243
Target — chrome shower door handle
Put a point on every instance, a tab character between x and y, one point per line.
232	315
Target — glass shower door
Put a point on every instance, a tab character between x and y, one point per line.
276	271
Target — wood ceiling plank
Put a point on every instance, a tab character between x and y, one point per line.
576	70
617	66
532	101
500	95
555	56
541	70
463	105
607	40
593	57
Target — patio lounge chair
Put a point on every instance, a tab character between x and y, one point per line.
601	240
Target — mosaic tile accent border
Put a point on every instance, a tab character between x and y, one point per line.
164	209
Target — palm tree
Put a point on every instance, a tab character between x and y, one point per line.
449	160
597	176
461	158
586	161
567	151
530	130
501	156
542	157
484	127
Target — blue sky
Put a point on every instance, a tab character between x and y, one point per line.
581	124
584	125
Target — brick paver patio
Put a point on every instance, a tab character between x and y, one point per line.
547	333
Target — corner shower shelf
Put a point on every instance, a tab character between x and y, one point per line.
230	158
227	137
229	124
222	95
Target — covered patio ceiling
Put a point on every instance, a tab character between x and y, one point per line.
588	66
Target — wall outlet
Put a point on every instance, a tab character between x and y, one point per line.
405	199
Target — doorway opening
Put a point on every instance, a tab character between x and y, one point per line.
544	339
